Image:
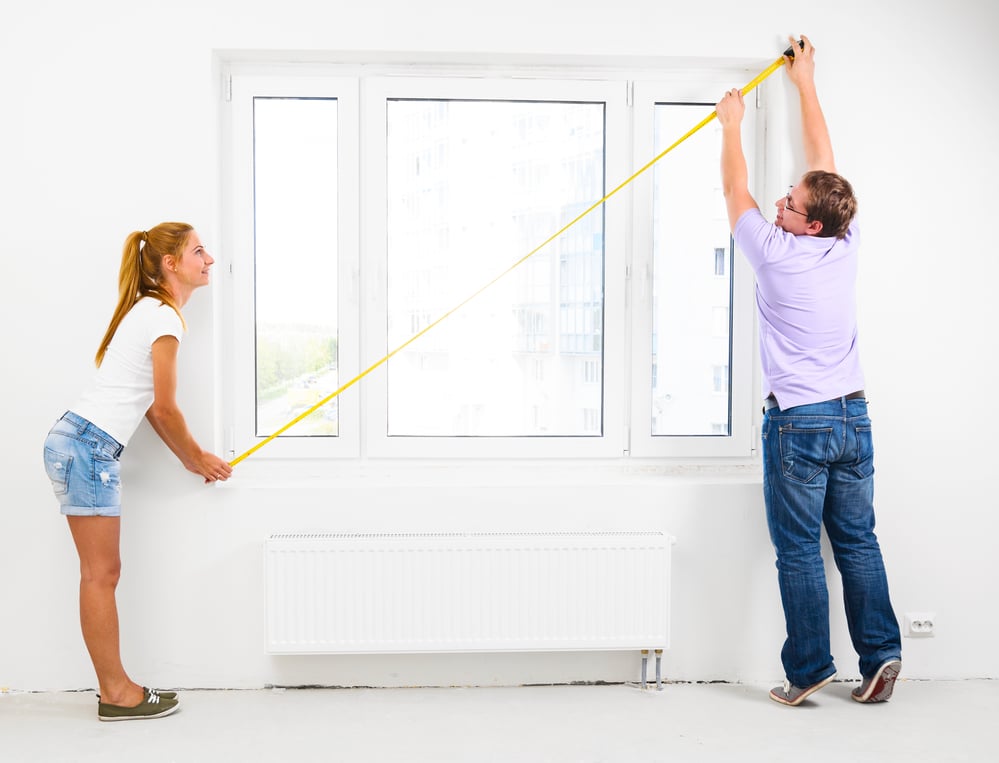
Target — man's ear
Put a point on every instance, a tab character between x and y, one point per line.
814	228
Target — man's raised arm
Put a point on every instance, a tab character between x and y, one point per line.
814	132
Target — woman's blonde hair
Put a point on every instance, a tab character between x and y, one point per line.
141	272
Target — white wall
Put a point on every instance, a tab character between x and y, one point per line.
110	123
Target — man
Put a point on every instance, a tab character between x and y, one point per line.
817	446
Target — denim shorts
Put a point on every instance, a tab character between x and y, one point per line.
81	461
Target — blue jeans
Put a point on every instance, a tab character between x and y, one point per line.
818	468
81	461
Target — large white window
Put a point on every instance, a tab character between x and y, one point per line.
394	232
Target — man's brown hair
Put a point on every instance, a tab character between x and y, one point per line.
831	202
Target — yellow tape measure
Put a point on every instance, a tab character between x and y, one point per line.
752	84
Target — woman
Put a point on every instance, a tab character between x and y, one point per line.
136	377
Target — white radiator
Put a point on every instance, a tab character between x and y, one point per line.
478	592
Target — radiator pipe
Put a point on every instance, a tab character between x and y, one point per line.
659	674
645	665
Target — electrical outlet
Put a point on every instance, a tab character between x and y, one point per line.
920	624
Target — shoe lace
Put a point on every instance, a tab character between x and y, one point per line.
154	696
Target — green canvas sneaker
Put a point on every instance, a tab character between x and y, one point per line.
153	705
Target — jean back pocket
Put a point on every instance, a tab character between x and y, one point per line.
57	467
804	452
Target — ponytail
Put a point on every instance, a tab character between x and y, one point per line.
141	272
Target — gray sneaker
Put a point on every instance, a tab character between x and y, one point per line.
152	706
878	687
792	695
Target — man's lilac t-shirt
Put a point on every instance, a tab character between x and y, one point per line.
806	298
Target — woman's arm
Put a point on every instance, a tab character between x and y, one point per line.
167	420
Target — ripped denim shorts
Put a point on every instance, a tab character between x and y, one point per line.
81	461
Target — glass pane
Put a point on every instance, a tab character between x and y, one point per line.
295	228
473	187
692	284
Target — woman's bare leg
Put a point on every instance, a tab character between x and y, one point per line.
97	541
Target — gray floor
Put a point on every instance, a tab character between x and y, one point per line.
924	721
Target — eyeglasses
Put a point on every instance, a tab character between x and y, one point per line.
787	203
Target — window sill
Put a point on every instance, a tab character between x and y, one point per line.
302	473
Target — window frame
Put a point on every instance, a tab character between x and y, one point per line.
238	371
742	327
377	92
362	91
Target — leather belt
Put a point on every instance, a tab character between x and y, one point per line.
771	401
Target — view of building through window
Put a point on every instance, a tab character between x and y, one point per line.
295	263
473	186
692	290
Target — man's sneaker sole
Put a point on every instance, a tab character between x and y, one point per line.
793	696
152	706
879	687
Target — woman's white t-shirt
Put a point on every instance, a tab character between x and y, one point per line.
122	390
